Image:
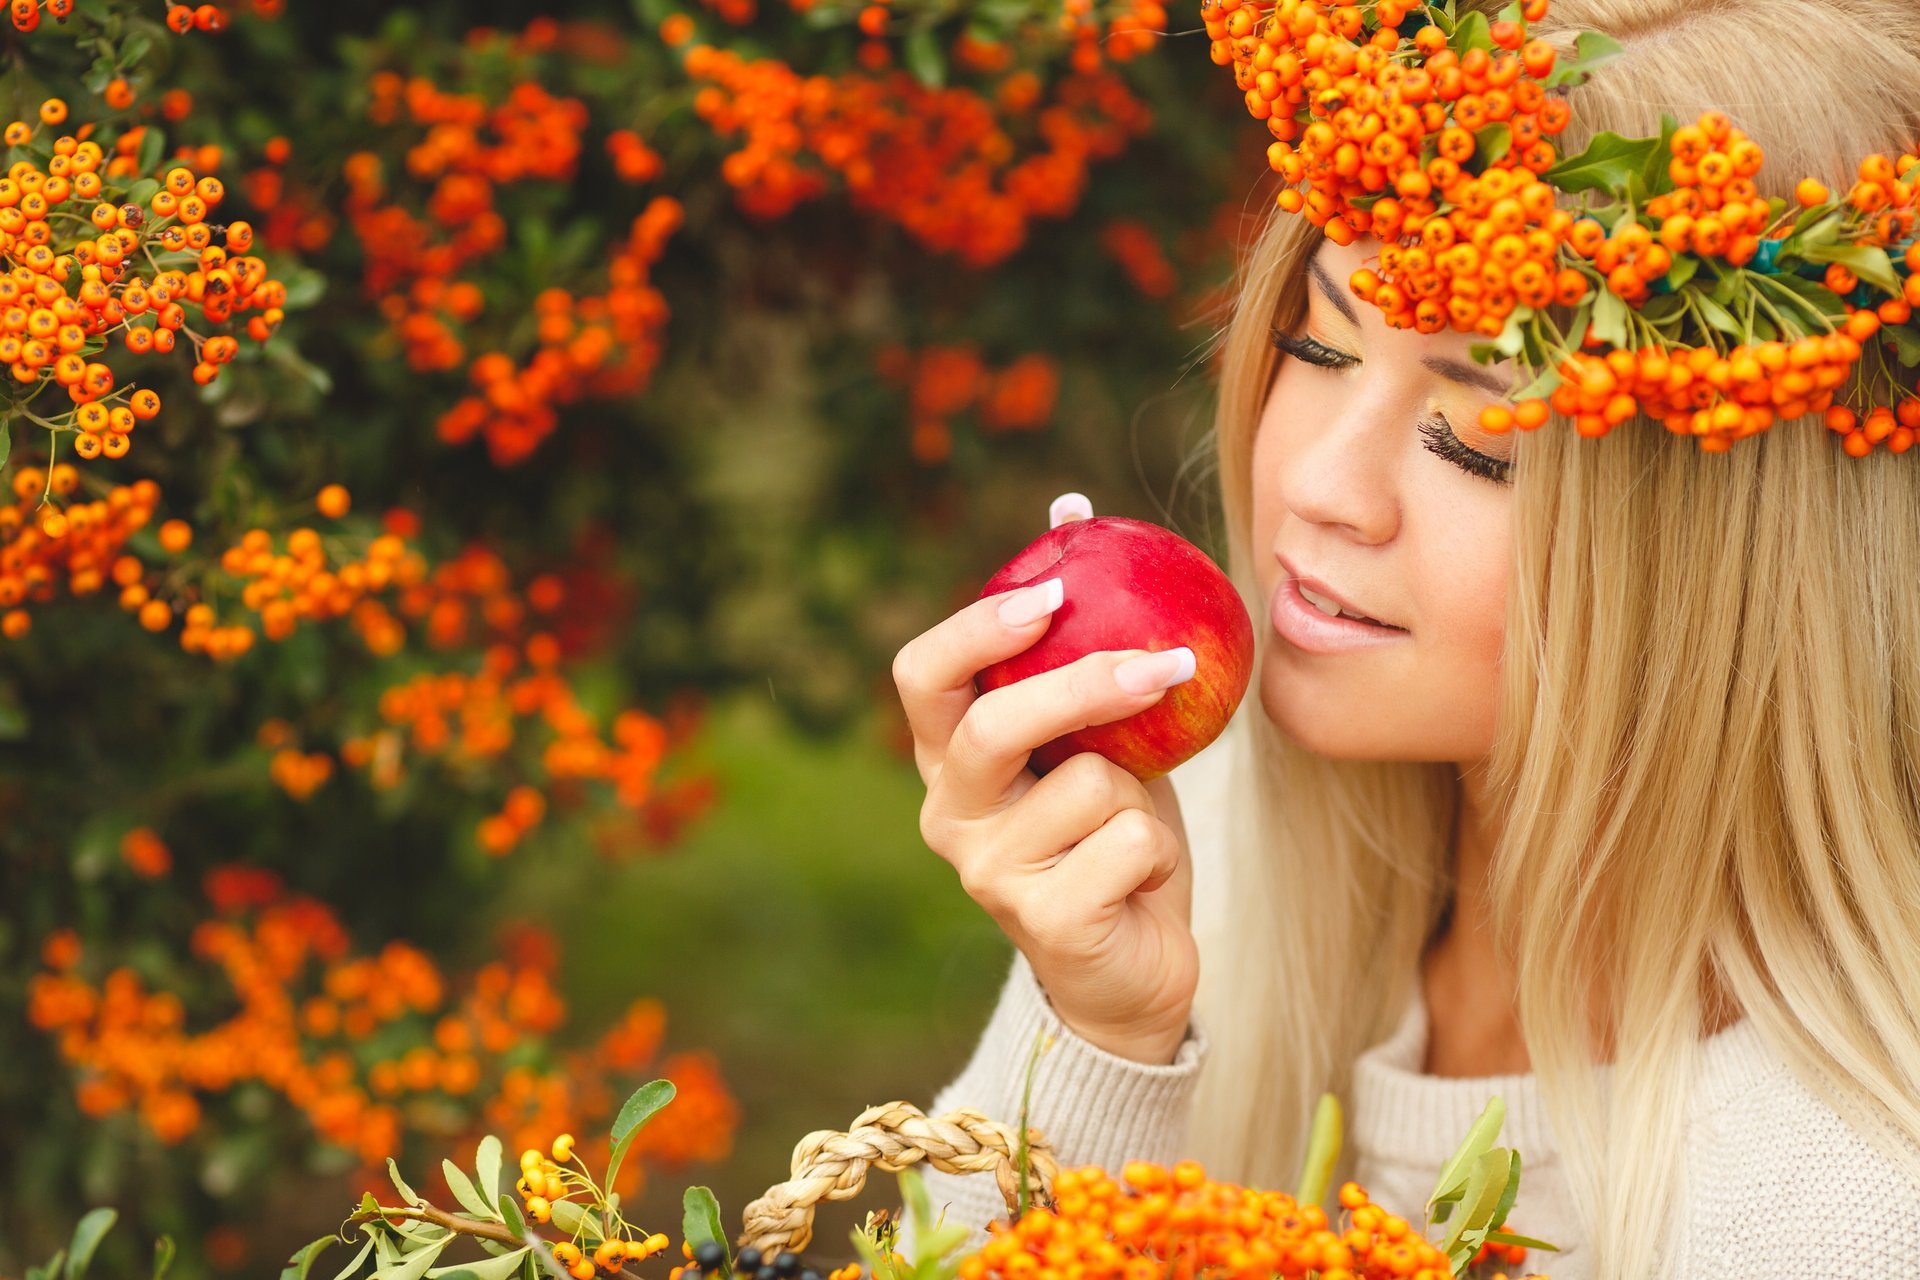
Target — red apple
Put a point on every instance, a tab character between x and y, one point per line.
1133	585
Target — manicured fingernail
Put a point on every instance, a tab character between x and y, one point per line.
1031	603
1069	506
1160	670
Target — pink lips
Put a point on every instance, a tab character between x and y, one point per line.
1297	619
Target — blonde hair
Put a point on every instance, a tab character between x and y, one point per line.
1708	746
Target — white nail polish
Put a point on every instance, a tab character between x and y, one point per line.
1152	671
1069	506
1032	603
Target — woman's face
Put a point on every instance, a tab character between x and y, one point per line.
1353	490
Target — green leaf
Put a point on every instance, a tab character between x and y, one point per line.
1591	50
354	1265
1822	230
1657	177
490	1269
486	1163
1491	142
1486	1181
51	1271
163	1251
700	1222
925	59
400	1184
1323	1148
1604	165
302	1262
1662	308
1718	316
1479	1140
86	1238
466	1193
1684	269
1541	387
415	1264
1906	343
305	286
644	1103
1610	317
1869	262
6	441
568	1215
1505	1206
1473	32
510	1214
1508	1237
1809	295
141	191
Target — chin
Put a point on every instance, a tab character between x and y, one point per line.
1360	713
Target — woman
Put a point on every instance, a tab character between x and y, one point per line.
1611	811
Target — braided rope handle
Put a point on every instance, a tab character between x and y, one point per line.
833	1166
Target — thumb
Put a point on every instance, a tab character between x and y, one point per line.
1069	506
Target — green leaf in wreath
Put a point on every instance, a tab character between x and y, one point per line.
1609	322
163	1252
1591	51
1491	142
1867	261
1528	1242
1604	165
466	1193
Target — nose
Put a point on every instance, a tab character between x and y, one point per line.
1341	472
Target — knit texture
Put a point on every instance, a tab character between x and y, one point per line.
1777	1184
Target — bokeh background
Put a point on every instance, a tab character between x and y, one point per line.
468	696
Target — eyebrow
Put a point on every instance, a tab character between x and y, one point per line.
1461	371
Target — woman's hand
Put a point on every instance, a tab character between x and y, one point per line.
1085	869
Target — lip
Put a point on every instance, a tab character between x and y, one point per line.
1299	621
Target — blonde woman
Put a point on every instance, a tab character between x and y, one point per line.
1612	809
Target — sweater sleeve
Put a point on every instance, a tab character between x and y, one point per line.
1094	1107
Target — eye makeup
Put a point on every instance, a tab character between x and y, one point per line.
1434	429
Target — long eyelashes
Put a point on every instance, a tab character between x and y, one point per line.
1435	430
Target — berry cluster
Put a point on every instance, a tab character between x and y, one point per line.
942	164
347	1039
1694	300
44	546
67	291
945	380
1157	1222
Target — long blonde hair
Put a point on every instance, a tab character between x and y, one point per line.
1708	749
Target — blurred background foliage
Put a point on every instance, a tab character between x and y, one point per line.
680	364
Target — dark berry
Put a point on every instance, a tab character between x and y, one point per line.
747	1261
787	1264
808	1273
710	1255
765	1273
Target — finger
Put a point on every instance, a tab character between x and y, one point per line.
991	743
934	672
1069	506
1068	804
1166	807
1132	848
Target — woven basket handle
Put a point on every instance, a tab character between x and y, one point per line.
833	1166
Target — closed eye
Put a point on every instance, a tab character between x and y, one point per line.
1312	350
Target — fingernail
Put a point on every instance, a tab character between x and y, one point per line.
1031	603
1160	670
1069	506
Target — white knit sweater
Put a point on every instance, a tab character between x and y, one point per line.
1777	1184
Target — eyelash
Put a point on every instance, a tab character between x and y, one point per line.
1437	431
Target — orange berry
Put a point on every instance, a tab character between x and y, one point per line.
333	501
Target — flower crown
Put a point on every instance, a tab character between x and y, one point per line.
1694	299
